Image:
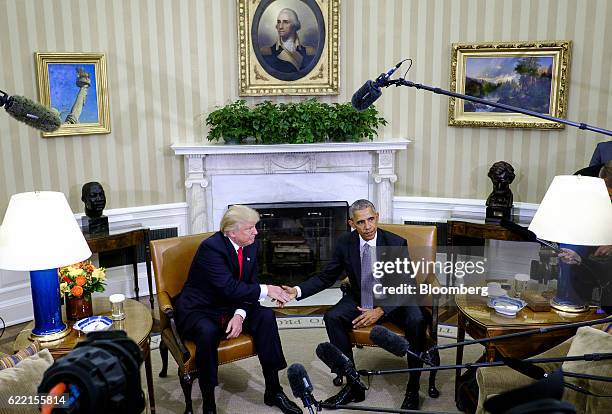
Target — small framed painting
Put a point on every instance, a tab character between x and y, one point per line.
75	85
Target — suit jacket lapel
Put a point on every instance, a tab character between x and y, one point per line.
355	256
233	257
248	258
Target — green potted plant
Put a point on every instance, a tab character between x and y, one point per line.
232	123
348	124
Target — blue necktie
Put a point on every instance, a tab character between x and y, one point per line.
367	280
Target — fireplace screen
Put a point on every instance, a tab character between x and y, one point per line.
297	239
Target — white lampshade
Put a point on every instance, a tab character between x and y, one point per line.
39	232
575	210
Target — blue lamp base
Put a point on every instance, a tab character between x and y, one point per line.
48	324
568	297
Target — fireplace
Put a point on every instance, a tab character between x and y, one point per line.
297	239
219	175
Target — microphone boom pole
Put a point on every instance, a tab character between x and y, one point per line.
440	91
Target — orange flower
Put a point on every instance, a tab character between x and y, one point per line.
76	291
81	280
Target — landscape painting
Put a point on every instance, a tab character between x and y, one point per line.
529	76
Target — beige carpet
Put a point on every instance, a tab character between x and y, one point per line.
241	384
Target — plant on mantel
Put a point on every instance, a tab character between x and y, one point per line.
308	121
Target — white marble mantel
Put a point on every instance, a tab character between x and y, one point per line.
219	175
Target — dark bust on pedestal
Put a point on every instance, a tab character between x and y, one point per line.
499	202
92	194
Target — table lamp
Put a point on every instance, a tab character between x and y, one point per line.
39	234
575	211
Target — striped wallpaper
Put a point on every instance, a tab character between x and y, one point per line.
169	62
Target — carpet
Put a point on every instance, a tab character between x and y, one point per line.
241	384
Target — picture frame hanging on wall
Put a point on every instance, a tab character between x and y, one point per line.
528	75
288	47
76	86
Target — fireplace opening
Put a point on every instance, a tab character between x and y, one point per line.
297	239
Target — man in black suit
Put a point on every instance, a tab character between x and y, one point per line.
222	294
355	309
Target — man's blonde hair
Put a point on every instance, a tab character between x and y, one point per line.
237	215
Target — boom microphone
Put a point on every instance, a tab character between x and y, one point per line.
339	363
300	385
389	341
525	233
30	112
370	91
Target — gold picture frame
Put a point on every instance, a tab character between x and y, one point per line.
267	67
528	75
75	85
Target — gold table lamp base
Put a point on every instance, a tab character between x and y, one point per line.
51	337
565	307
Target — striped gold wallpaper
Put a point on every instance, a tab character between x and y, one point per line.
169	62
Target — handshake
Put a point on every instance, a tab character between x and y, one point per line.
281	294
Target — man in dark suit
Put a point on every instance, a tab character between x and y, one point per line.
222	294
602	153
356	309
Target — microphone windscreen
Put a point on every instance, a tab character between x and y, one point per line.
366	95
526	368
33	114
333	357
389	341
298	380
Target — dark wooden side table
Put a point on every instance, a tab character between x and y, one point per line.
137	325
481	321
123	238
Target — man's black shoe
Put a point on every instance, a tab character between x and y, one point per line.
411	400
348	394
283	402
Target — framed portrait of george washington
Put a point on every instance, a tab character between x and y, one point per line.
74	85
288	47
528	75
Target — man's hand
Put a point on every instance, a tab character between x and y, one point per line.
234	327
368	317
603	251
291	291
278	294
569	256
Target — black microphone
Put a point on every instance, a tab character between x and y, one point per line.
300	385
525	233
30	112
389	341
370	91
339	363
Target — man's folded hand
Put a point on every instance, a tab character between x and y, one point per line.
291	291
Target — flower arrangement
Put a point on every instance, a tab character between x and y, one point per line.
80	280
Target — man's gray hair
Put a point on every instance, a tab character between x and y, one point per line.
360	204
237	215
293	18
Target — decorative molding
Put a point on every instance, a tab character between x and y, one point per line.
433	209
220	149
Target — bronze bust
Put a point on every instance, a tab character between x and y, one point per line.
499	202
92	194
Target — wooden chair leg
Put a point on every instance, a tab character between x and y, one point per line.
432	390
163	352
186	385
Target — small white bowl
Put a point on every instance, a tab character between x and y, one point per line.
93	323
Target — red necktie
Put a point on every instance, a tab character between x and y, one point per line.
240	261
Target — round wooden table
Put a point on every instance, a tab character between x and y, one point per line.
137	324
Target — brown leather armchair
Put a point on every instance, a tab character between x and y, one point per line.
172	259
422	244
